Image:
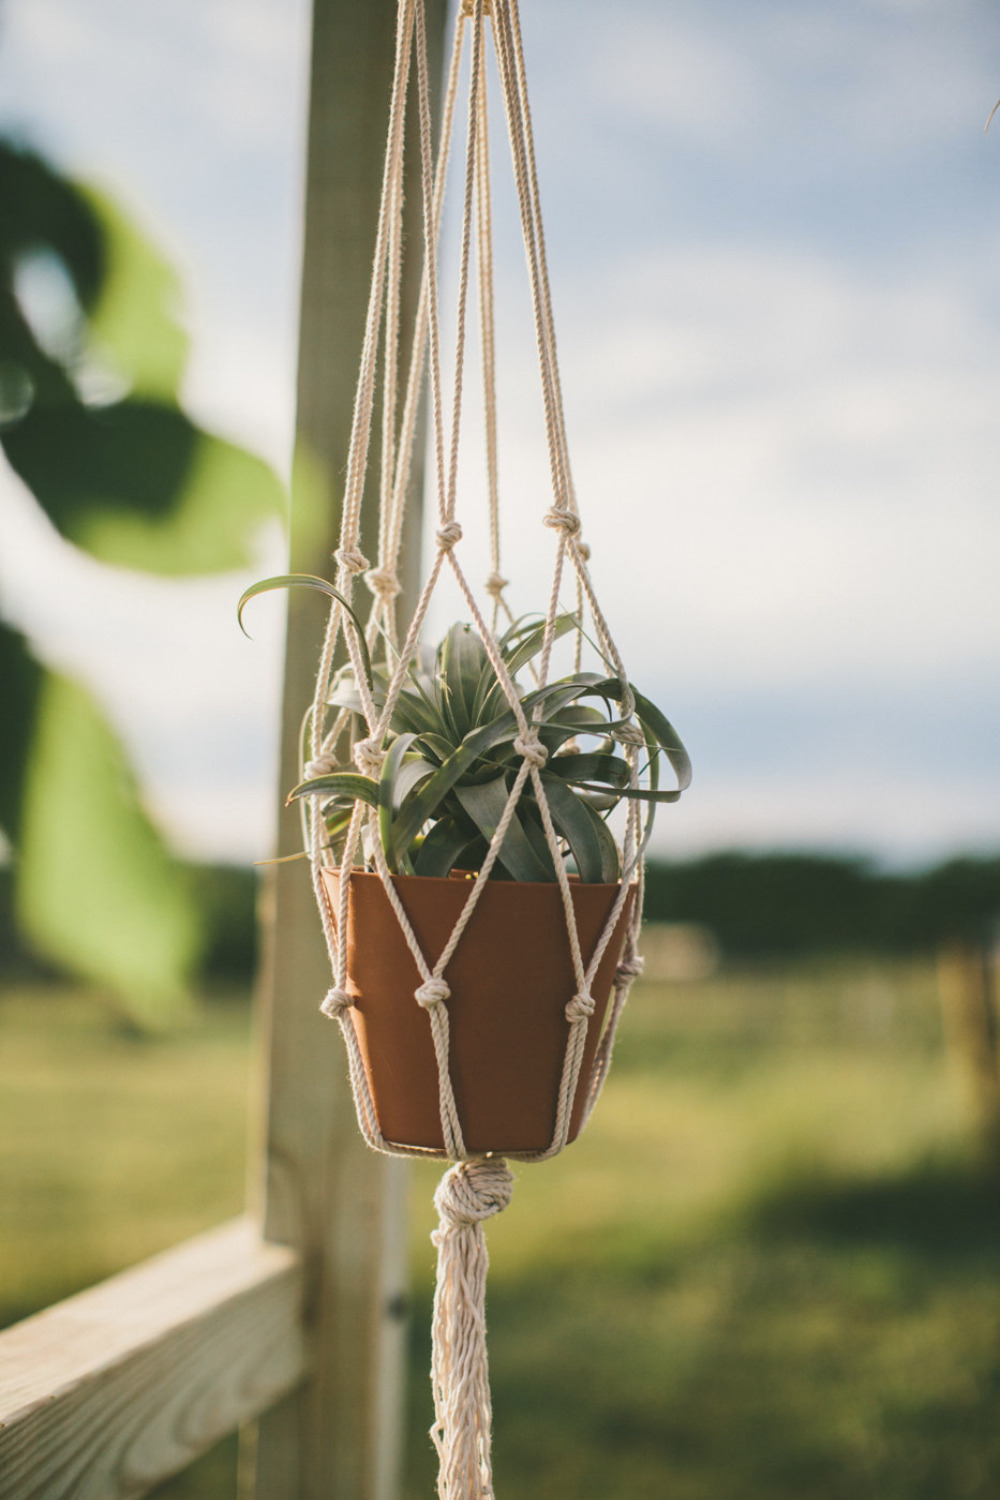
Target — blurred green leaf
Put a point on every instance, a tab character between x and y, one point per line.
98	891
22	678
44	216
140	486
133	480
134	322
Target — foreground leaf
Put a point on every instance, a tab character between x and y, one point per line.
97	890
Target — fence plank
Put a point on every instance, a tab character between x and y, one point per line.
108	1393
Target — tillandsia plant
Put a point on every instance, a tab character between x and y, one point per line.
451	756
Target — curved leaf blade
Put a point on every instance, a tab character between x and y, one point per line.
309	580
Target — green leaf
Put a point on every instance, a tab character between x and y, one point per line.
134	321
485	804
533	639
444	848
588	836
97	890
412	772
659	729
419	713
341	786
138	485
586	768
22	681
463	661
308	580
387	797
639	794
45	211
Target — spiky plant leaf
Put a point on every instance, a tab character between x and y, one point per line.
308	580
485	805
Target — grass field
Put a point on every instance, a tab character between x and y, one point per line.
769	1270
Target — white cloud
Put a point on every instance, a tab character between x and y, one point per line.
816	79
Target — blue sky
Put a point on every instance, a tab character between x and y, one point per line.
774	236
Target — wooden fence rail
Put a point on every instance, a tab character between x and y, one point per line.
108	1393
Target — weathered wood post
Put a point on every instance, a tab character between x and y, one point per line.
967	986
340	1205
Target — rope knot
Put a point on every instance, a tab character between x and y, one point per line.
629	969
531	747
368	757
351	559
630	734
321	766
562	520
449	534
472	1191
495	585
336	1003
583	548
580	1008
383	583
431	993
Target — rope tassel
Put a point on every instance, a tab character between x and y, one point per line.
467	1194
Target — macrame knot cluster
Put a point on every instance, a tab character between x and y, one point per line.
352	560
336	1003
531	747
629	734
321	766
495	585
383	583
432	992
580	1008
472	1191
629	968
368	757
562	520
450	533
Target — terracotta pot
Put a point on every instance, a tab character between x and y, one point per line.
510	978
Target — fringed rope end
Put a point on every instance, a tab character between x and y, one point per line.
468	1193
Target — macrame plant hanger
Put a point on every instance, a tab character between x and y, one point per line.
477	1185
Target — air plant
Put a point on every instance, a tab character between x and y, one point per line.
451	756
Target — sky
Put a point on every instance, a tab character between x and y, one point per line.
774	242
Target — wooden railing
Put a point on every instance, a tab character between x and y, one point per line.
295	1315
116	1389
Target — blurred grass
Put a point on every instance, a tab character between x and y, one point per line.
114	1146
769	1269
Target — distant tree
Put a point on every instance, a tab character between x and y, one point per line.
785	903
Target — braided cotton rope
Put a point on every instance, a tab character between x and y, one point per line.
477	1186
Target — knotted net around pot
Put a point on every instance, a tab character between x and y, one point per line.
487	46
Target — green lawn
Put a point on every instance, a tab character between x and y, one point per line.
768	1271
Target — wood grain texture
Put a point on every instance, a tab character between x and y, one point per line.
341	1206
108	1393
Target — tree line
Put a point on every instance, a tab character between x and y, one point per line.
758	904
754	904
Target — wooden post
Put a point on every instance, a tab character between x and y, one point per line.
967	985
338	1204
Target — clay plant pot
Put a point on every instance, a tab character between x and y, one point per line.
510	978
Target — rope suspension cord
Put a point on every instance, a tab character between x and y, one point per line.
478	1186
